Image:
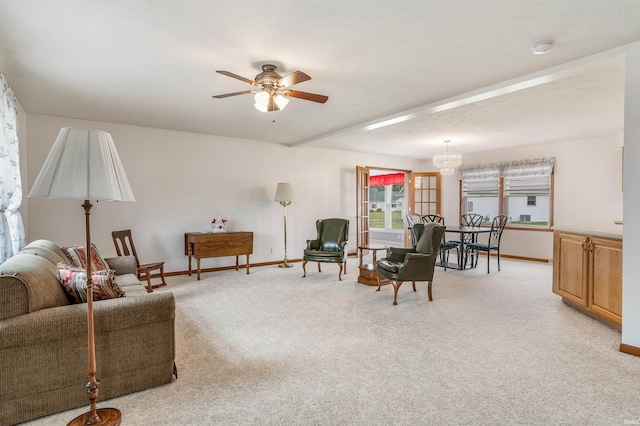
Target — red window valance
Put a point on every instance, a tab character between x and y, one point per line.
390	179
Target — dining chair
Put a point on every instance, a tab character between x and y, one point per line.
125	247
493	244
412	219
412	264
473	220
445	246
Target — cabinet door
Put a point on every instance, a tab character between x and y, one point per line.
570	267
605	278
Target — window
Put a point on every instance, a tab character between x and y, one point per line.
522	190
386	195
483	196
527	199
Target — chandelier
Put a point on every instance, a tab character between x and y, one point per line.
447	161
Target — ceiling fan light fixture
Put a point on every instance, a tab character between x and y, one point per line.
272	89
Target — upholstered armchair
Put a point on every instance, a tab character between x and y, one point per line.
413	264
329	246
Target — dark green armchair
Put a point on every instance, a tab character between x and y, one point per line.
413	264
329	246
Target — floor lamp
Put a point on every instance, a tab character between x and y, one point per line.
84	165
284	196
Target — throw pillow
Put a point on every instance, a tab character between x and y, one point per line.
74	282
78	257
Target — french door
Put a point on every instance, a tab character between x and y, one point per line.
362	206
422	196
425	196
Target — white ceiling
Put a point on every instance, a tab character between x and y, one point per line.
152	63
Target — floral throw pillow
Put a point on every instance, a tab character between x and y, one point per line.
74	282
78	257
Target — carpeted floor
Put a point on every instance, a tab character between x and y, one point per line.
272	348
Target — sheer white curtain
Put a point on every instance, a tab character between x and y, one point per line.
12	237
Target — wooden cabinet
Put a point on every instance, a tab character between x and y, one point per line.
587	273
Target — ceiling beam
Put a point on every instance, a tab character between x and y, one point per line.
509	86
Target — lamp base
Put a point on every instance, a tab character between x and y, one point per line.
285	265
108	416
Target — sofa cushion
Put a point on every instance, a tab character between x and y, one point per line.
53	257
29	283
130	284
78	257
49	245
74	281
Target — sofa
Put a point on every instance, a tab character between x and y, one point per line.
43	336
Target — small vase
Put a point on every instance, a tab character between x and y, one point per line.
218	225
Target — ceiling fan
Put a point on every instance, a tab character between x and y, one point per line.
272	90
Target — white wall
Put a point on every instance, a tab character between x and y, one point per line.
587	189
182	180
631	240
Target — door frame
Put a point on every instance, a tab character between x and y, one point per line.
363	173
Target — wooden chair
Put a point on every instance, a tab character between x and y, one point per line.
125	247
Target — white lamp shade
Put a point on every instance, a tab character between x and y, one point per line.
281	101
262	101
284	192
83	164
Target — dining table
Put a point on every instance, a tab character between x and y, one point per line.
467	234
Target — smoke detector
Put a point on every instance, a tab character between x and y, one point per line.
542	47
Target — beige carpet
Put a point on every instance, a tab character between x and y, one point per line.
272	348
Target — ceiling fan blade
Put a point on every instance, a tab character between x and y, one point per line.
307	96
294	78
226	95
236	76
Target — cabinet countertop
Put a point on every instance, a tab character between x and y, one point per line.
608	232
